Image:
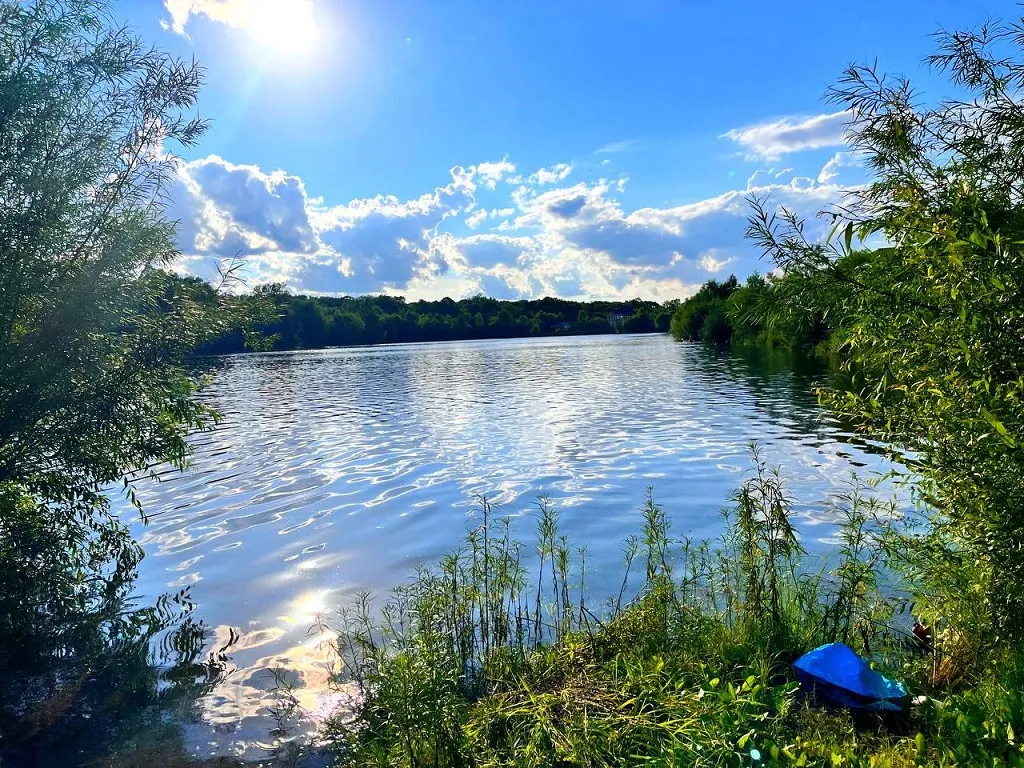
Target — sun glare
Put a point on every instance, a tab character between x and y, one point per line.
283	27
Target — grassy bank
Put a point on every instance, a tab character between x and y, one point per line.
479	662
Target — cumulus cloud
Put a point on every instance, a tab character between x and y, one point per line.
577	240
833	169
556	173
366	245
761	177
772	140
491	173
714	261
485	250
251	207
383	242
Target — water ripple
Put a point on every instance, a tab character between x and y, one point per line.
340	469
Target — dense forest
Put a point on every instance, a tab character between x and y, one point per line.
311	322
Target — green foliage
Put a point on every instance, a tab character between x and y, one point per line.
702	317
496	657
722	313
930	319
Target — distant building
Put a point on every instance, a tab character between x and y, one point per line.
562	327
618	318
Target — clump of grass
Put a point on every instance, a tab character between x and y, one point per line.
495	658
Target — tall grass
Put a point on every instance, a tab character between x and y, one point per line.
496	657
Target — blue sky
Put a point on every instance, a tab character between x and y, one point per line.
519	149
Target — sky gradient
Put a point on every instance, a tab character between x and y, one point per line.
579	149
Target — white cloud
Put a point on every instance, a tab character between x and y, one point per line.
479	216
252	207
772	140
369	244
554	174
254	15
573	241
710	261
485	250
833	169
763	176
491	173
616	147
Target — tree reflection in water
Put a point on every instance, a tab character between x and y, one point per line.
107	684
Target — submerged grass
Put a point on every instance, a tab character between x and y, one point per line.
482	662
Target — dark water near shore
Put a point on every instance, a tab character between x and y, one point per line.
342	469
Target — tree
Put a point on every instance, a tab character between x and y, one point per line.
702	316
310	325
931	320
95	334
346	328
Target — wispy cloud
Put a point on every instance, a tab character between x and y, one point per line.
771	140
626	145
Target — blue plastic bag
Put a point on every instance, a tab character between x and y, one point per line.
837	675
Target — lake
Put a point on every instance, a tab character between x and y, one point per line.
343	469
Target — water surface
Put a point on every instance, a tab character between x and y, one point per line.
339	470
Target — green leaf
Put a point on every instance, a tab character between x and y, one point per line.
999	427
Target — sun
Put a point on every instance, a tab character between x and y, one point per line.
283	27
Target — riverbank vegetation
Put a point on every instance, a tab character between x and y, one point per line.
314	322
917	290
487	661
729	312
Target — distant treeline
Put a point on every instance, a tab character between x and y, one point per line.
751	312
312	322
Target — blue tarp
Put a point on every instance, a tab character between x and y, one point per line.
839	676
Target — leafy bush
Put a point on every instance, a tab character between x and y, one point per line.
702	316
